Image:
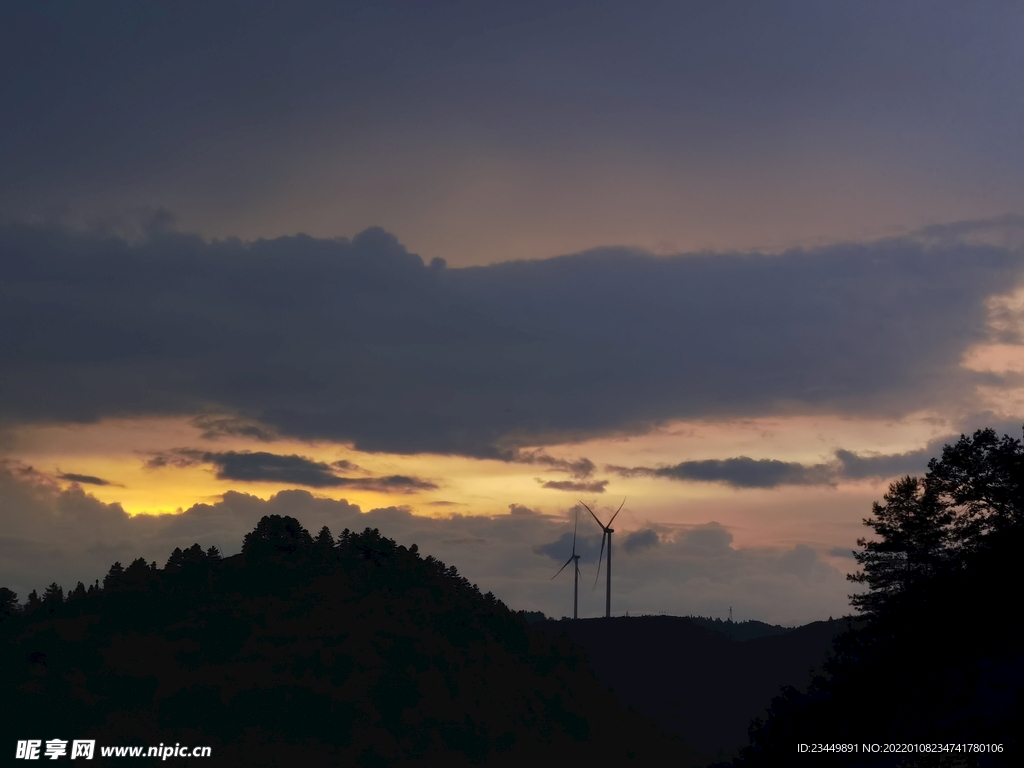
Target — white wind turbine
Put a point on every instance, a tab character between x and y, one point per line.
575	559
607	534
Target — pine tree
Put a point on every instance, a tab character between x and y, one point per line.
113	576
324	544
324	538
8	603
982	477
54	595
914	526
276	535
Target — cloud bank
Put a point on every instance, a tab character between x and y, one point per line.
264	467
745	472
664	120
359	341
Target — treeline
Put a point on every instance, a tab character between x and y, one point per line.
937	658
739	630
116	578
309	650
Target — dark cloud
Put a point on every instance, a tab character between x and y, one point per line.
588	547
264	467
641	539
521	509
392	483
84	479
856	466
580	469
801	561
178	457
711	540
740	472
744	472
596	486
231	426
360	342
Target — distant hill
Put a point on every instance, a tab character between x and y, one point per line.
737	630
740	630
694	680
309	652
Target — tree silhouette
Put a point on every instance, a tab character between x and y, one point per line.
981	478
113	575
181	558
914	529
324	545
276	535
78	592
53	596
8	603
936	655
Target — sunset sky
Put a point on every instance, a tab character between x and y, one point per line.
447	269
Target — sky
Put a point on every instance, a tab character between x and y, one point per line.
450	269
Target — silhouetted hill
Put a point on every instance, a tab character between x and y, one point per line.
695	681
308	652
740	630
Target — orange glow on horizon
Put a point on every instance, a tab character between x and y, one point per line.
116	451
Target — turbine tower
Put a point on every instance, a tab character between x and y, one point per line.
607	534
575	559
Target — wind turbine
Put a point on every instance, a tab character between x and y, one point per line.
608	531
573	558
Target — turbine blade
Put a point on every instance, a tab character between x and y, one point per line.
617	511
599	557
574	530
594	516
562	568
